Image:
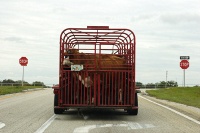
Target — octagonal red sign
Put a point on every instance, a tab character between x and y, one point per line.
184	64
23	61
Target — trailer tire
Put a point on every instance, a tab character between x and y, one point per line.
57	111
134	111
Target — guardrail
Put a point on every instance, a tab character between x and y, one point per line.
20	84
159	86
27	84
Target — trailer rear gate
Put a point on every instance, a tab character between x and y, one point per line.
96	85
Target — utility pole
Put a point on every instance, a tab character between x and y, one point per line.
166	80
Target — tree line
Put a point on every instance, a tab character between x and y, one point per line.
161	84
8	82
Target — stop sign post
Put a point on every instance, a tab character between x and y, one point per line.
184	64
23	61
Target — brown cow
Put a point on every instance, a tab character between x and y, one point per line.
96	62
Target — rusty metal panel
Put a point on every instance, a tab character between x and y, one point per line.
108	88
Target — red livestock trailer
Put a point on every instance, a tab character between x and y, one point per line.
97	69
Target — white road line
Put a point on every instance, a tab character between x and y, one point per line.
2	125
185	116
46	124
128	125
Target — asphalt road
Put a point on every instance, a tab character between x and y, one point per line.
32	112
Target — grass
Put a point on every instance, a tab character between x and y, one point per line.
15	89
188	95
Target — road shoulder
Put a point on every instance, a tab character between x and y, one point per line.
190	111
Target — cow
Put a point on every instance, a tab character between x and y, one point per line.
97	62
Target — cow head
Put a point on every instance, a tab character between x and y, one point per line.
70	52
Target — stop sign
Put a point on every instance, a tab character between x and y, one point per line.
23	61
184	64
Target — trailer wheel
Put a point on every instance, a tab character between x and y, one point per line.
57	111
134	111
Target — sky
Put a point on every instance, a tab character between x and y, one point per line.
164	29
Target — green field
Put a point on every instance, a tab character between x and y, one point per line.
15	89
185	95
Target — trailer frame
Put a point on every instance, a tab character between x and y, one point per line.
109	88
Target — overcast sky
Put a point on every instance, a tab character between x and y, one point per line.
164	29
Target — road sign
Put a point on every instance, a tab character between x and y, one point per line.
184	57
184	64
23	61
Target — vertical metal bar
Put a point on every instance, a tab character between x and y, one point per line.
87	94
67	91
132	88
77	88
120	88
98	84
72	90
124	85
80	88
109	87
83	94
127	89
93	94
112	89
128	75
106	88
102	88
117	88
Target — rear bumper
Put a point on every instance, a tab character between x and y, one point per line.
96	107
